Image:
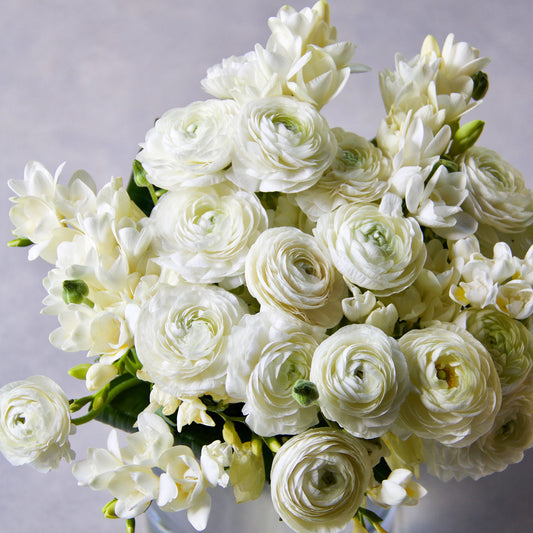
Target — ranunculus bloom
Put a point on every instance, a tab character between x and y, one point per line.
181	338
287	269
35	423
456	390
362	379
318	480
281	144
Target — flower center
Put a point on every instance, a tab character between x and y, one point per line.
447	373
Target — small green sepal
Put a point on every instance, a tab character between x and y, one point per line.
109	509
75	291
79	371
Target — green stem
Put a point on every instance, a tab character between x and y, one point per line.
153	195
113	393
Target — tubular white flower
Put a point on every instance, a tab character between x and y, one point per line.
281	144
398	489
287	269
456	391
204	234
35	423
318	480
358	175
362	379
190	146
503	445
181	338
373	249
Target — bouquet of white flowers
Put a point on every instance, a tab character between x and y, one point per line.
271	300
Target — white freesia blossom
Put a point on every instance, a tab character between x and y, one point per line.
456	392
318	480
398	489
215	459
280	144
362	380
269	353
507	340
42	207
183	486
374	248
358	175
289	270
503	445
99	375
190	146
35	423
498	197
193	410
181	338
204	234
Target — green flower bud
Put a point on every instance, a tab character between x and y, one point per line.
305	392
109	509
75	291
19	242
465	137
139	174
79	371
481	85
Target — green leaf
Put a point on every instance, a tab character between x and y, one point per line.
123	410
140	196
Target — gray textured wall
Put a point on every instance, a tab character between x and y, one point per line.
82	81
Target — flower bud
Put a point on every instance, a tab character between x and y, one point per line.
466	136
99	375
139	174
75	292
19	242
481	85
305	392
109	509
79	371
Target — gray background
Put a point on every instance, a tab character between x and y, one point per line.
82	81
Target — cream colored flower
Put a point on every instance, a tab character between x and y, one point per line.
181	338
99	375
507	340
503	445
288	269
190	146
193	410
358	175
398	489
498	197
362	379
376	249
35	423
204	234
269	353
456	392
281	144
318	480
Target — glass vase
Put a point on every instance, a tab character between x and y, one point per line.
226	516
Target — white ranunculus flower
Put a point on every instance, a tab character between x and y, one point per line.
507	340
498	197
204	234
503	445
287	269
269	353
190	146
318	480
280	144
35	423
358	175
456	391
181	338
362	379
376	249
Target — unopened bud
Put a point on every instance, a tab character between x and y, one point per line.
19	242
75	291
305	392
109	509
481	85
466	136
139	174
430	46
79	371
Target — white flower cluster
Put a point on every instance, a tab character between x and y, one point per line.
291	294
